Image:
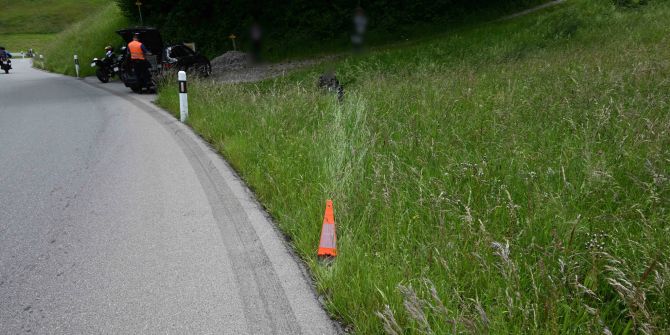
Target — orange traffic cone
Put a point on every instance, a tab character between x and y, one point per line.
328	244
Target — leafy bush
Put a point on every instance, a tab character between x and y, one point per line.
629	3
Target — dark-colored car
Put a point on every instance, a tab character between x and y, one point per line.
181	57
177	56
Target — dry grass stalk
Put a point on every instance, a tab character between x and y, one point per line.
414	307
633	296
390	325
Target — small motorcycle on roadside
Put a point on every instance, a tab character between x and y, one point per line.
105	70
5	64
107	67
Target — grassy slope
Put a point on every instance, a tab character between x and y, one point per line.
23	42
33	23
511	178
87	39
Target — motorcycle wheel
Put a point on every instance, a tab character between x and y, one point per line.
102	75
136	88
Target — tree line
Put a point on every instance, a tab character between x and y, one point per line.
209	23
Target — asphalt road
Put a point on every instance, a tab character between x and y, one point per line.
117	219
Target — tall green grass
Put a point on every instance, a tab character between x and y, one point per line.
512	178
87	39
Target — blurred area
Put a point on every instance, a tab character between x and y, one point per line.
256	37
360	27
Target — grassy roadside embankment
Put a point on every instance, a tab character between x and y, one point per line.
34	23
87	39
507	179
22	42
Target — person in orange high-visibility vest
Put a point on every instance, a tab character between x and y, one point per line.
138	53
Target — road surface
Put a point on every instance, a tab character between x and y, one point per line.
117	219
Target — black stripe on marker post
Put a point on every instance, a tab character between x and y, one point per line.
182	86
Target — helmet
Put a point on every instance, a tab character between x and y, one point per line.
109	48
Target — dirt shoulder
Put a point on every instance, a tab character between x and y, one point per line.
238	67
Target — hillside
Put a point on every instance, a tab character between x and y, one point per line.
506	178
86	38
32	23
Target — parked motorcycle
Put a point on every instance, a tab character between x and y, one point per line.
139	82
131	79
105	68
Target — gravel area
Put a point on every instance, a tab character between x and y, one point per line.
237	67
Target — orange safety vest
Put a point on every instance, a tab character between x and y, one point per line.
136	52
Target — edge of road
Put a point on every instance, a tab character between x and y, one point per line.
200	153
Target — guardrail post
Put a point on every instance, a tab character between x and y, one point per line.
183	98
76	65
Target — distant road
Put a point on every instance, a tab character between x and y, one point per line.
117	219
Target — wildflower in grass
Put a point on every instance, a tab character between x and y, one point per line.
530	176
550	172
596	241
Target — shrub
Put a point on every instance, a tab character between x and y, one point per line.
629	3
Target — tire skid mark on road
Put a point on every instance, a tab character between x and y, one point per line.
266	306
248	258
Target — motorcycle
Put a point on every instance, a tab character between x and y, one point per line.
5	64
105	68
132	79
150	68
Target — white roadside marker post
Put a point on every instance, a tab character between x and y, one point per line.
183	98
76	65
42	61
